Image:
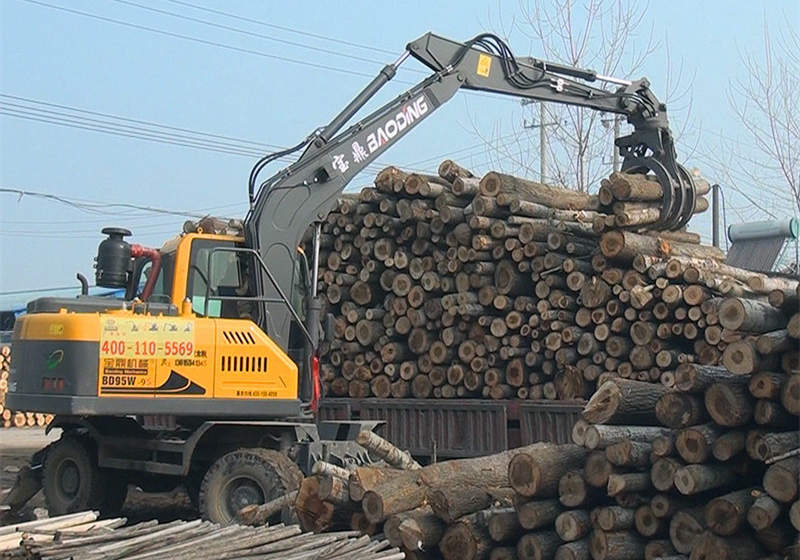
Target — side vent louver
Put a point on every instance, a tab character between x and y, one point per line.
257	364
238	337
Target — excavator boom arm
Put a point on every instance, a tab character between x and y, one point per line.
303	193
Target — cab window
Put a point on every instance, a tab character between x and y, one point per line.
225	273
163	287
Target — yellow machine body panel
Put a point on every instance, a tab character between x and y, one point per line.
129	361
145	356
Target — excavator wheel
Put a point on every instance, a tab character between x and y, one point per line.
116	485
244	477
71	478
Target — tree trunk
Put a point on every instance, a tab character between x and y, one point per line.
600	436
538	546
385	450
624	246
494	183
621	545
537	473
693	479
725	515
729	405
572	525
468	539
678	410
621	400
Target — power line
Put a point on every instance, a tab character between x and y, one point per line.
32	109
70	124
42	290
95	207
258	35
139	121
201	41
282	28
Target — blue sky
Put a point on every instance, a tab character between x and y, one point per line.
245	92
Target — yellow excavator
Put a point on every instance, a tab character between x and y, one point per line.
206	373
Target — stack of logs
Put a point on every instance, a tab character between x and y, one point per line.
685	473
456	286
9	417
708	469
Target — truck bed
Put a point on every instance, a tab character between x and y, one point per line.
448	428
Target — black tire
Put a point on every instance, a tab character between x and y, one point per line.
70	477
244	477
116	484
192	486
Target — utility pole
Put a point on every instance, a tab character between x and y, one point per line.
616	149
715	215
542	146
541	125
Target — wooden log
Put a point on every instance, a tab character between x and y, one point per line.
577	550
540	545
421	532
364	479
387	451
391	528
679	410
451	502
685	528
709	546
663	473
729	405
259	514
728	445
572	525
647	524
537	514
781	480
794	515
597	469
313	513
468	538
494	183
614	518
693	479
767	385
620	545
665	506
763	512
742	358
624	246
660	548
622	400
538	473
629	454
725	515
573	490
401	492
694	444
696	378
600	436
627	483
790	394
749	315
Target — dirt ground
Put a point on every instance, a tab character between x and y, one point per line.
18	444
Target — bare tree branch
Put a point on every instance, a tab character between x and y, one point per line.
609	36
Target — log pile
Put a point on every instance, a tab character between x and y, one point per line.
708	468
15	418
455	286
683	473
82	535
